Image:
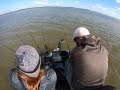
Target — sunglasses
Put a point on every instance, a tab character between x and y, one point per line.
76	38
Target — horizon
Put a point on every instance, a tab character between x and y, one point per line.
107	7
56	7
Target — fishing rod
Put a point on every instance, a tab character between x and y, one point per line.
44	40
34	40
67	42
66	38
20	39
116	71
8	47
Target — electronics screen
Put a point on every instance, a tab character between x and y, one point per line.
59	56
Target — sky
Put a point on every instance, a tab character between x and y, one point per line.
108	7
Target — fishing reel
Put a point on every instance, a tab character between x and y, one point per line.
46	60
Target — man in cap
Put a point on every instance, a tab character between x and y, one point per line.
28	75
89	60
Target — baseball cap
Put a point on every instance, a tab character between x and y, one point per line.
81	31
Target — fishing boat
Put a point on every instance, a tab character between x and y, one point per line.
43	27
57	60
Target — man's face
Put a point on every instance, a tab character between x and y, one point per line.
78	40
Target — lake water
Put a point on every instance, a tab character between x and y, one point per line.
25	27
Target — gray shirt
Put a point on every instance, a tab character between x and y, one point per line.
48	83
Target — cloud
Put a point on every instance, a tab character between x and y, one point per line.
40	2
110	11
118	1
1	13
77	1
118	8
114	12
57	4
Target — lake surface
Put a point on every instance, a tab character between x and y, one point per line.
25	27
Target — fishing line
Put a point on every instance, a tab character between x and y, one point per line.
21	39
67	42
116	71
7	47
34	40
44	40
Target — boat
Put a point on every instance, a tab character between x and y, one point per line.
57	60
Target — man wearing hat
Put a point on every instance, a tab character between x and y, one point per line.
28	75
89	60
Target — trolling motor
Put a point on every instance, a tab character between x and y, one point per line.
59	57
56	60
60	45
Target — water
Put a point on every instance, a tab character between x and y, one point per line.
19	27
